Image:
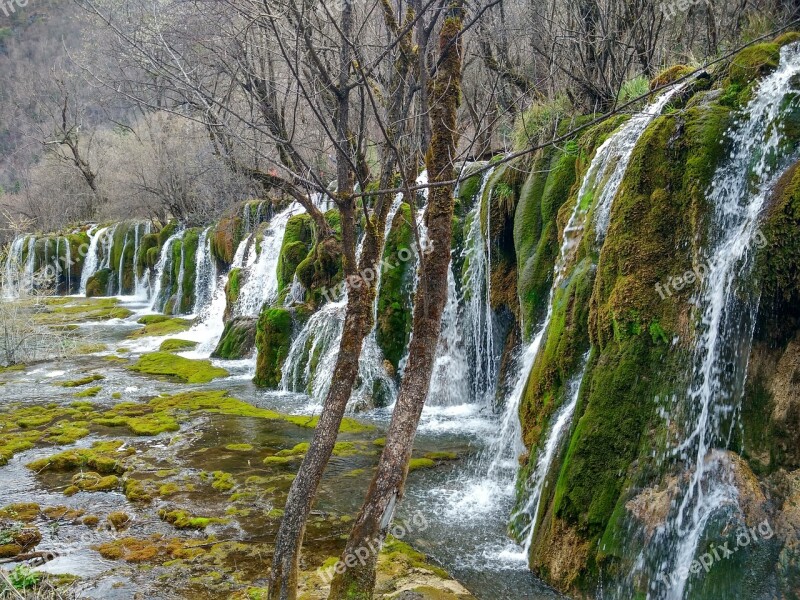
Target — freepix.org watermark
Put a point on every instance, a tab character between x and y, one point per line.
698	274
399	530
718	552
9	7
369	275
671	9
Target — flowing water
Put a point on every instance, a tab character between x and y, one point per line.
163	274
727	308
92	258
478	500
261	280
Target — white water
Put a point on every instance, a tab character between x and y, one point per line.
177	306
163	267
141	284
261	280
205	278
553	443
738	193
92	259
318	342
612	158
490	489
478	315
12	281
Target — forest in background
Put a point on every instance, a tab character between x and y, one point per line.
99	120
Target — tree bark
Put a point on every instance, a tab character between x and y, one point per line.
355	577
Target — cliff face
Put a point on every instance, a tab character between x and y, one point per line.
632	302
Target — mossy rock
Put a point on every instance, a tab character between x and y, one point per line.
232	291
273	340
177	345
188	370
669	75
753	62
226	237
99	283
238	339
393	327
297	242
159	325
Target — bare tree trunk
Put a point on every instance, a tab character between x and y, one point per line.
357	582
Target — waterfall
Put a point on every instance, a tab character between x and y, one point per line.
297	293
164	269
177	306
261	282
210	322
727	309
120	283
479	325
91	260
553	443
312	357
141	284
30	268
12	281
68	265
205	274
615	154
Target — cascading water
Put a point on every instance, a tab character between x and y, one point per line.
163	270
478	315
261	281
205	274
319	342
210	323
562	420
727	309
177	307
90	263
485	494
141	283
11	279
121	266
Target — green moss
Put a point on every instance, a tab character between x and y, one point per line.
160	325
181	519
222	482
420	463
753	62
177	345
441	455
89	392
273	340
297	242
297	450
83	380
393	327
94	482
237	340
188	370
103	457
138	491
100	284
239	447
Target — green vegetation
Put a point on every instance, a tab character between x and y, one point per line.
83	381
393	328
158	325
273	340
238	339
177	345
188	370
